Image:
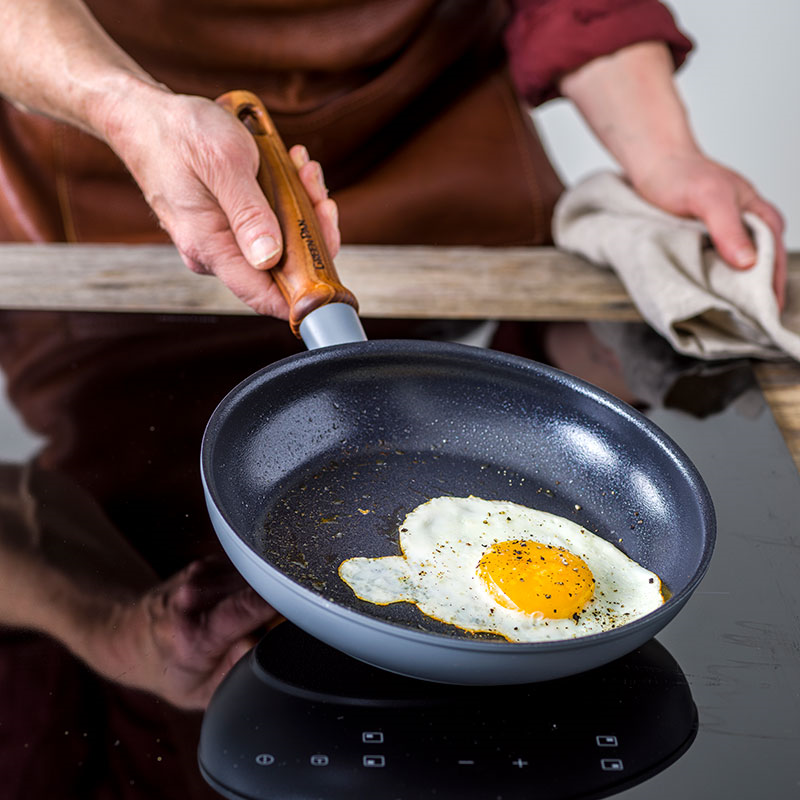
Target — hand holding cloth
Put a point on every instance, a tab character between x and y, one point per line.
679	283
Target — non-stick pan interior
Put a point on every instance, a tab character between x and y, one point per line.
318	459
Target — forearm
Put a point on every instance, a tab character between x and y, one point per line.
630	101
36	596
57	60
64	569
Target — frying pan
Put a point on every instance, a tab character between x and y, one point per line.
317	458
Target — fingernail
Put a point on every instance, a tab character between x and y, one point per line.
262	250
320	179
745	257
301	156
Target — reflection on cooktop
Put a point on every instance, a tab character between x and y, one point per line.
68	733
297	718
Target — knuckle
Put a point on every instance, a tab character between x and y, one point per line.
710	188
213	156
247	217
770	215
185	597
160	205
191	258
190	253
197	268
229	151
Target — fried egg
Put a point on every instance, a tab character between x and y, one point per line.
500	567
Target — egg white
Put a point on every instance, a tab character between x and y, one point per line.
442	542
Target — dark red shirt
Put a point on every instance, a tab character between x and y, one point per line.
546	39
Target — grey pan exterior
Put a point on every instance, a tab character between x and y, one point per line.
431	655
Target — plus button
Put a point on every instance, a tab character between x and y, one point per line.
520	763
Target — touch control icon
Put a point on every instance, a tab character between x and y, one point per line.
372	737
374	761
611	764
606	741
265	759
319	760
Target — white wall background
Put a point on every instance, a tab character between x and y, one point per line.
741	85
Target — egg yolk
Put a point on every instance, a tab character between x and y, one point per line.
536	578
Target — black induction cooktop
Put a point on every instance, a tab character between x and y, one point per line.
711	709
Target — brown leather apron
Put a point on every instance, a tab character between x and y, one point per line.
415	122
422	140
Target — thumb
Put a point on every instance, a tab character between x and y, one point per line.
729	235
253	223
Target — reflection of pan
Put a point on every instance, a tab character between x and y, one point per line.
294	699
297	454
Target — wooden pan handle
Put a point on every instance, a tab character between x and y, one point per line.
305	274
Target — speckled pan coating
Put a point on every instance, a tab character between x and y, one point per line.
318	458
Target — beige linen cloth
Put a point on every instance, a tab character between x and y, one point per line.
679	283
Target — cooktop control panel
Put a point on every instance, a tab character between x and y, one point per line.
297	719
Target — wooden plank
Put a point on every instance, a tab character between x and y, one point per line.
780	383
414	282
483	283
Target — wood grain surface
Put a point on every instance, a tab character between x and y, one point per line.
780	383
414	282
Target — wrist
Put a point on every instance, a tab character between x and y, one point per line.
104	643
59	608
641	157
630	101
108	113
